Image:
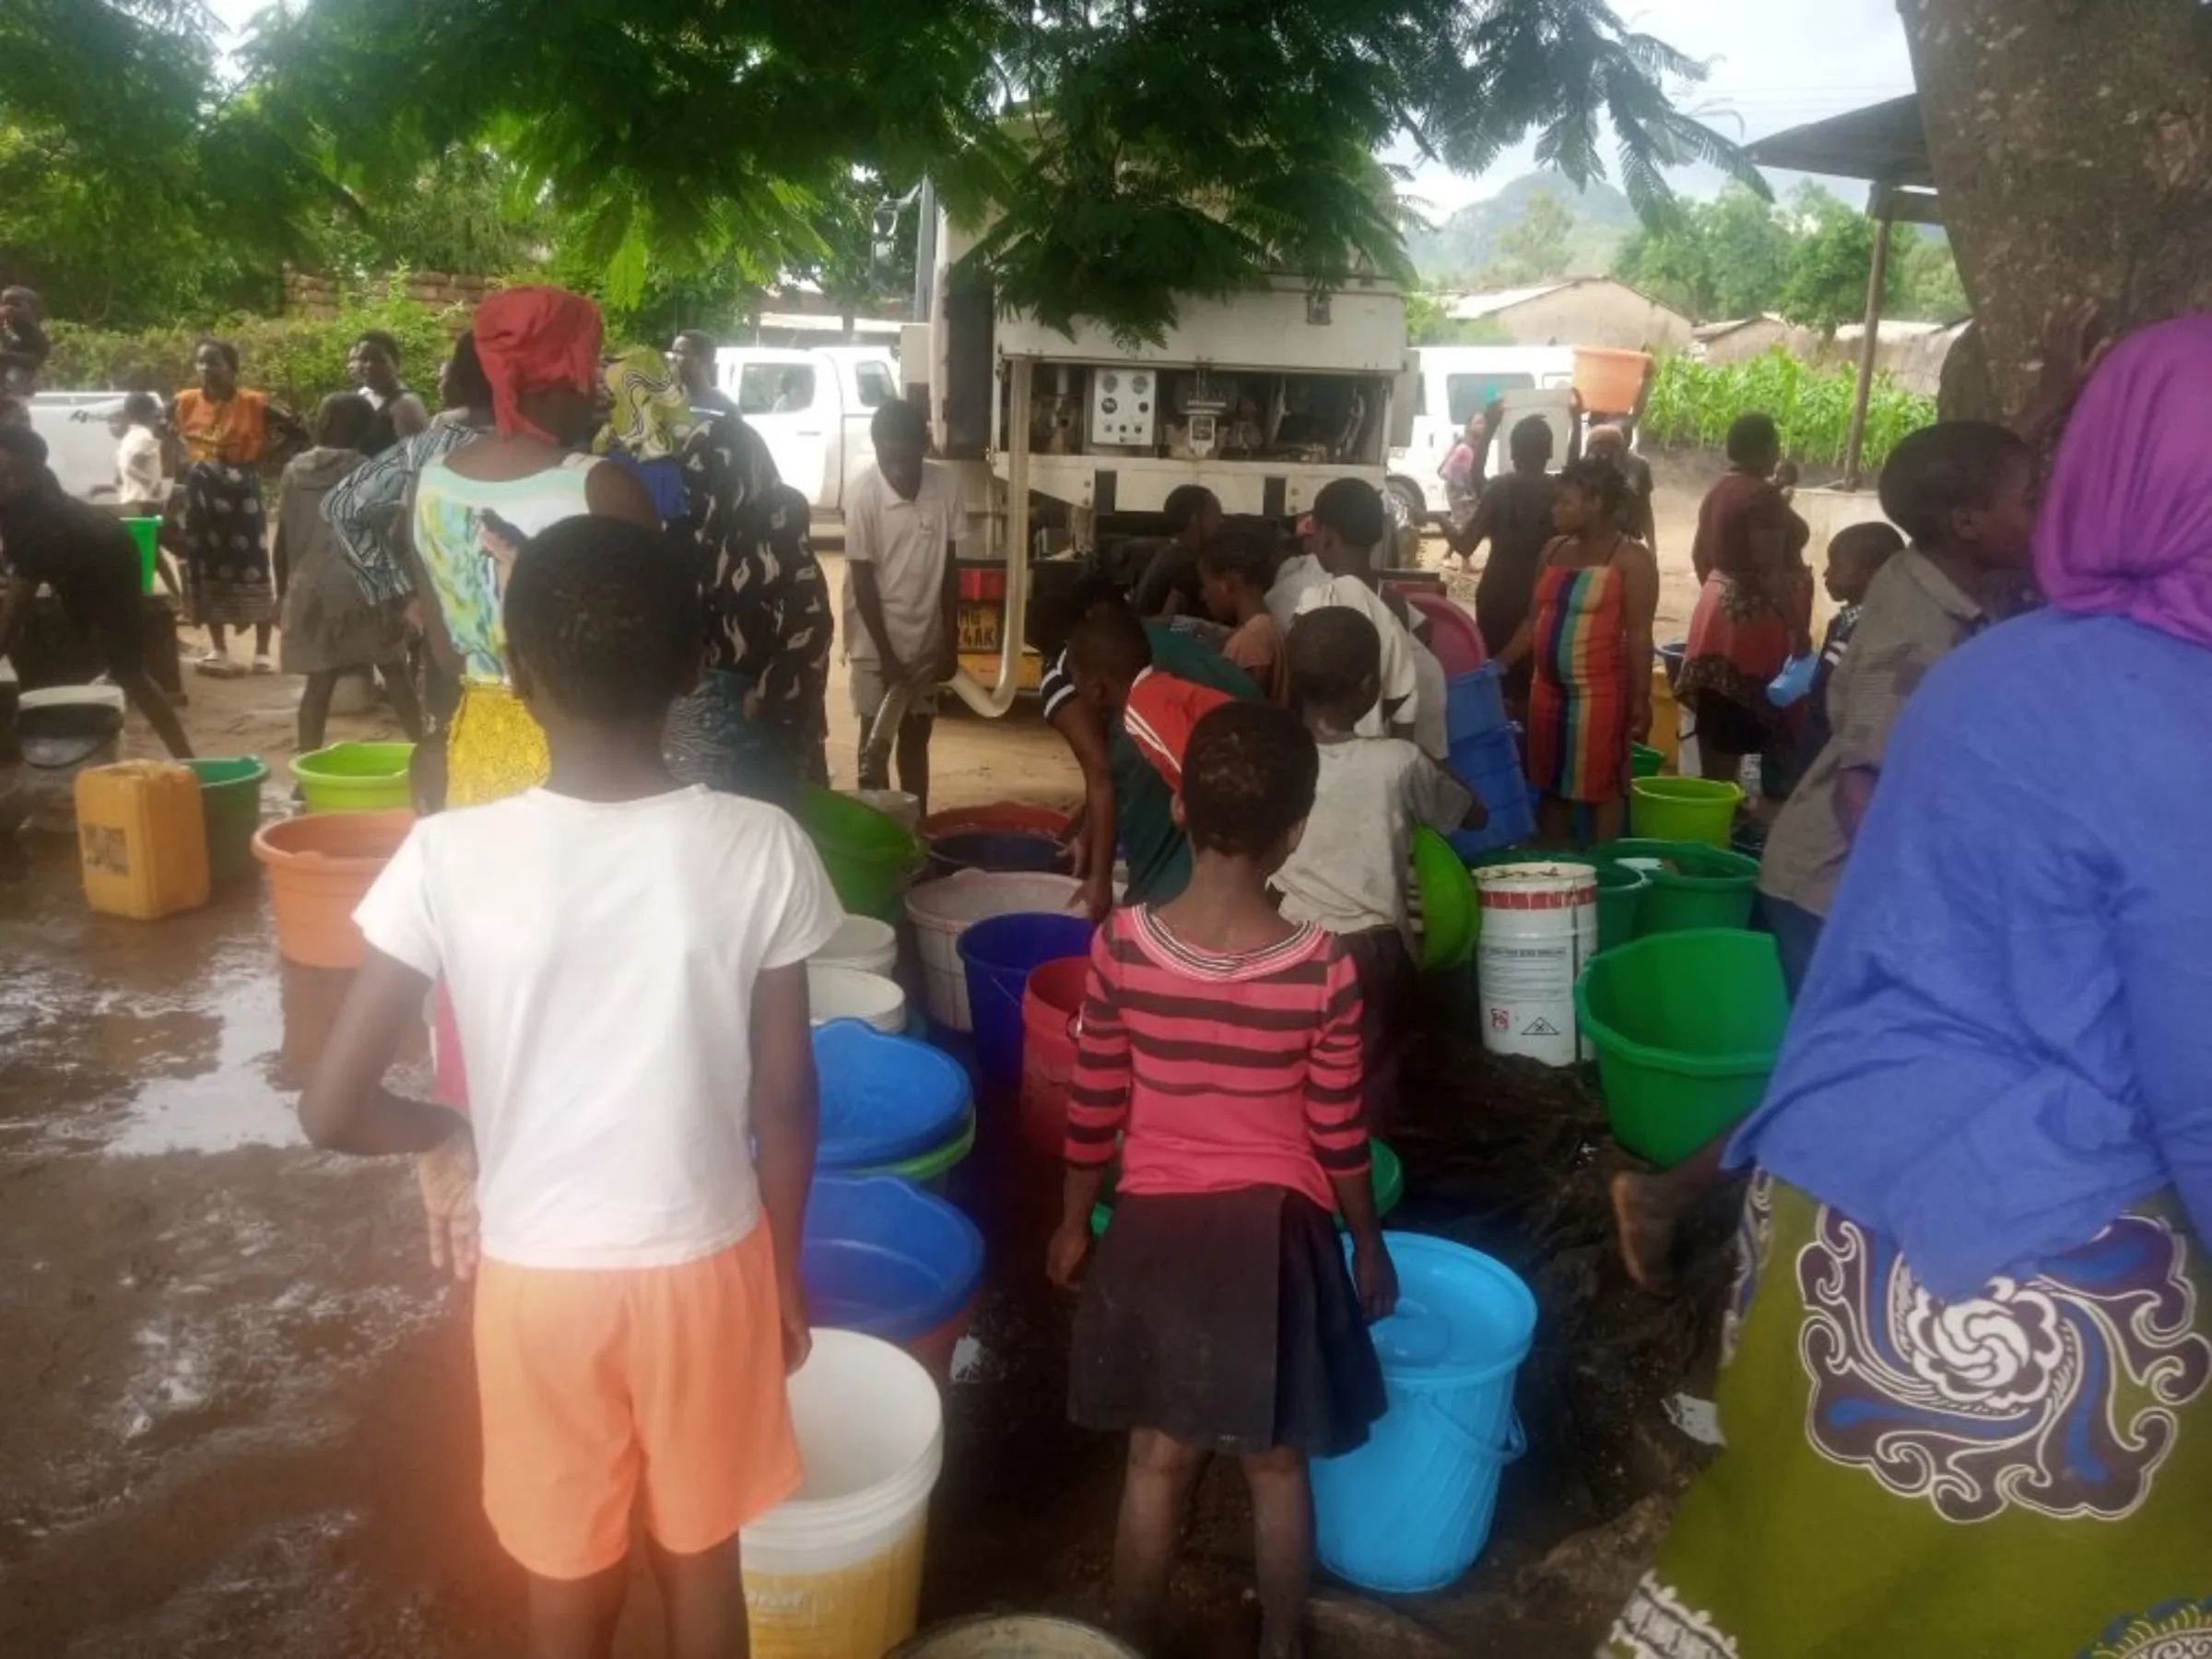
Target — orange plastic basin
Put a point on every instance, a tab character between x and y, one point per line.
320	866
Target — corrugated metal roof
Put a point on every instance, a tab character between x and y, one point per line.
1884	142
1465	307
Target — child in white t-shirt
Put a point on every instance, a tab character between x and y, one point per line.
1348	873
627	964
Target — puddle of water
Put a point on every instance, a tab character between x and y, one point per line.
232	1100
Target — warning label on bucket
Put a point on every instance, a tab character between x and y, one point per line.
1539	1026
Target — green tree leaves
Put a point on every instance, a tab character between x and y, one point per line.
1741	256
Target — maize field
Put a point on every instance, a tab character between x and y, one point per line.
1694	403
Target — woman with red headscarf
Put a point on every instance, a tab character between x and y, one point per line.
477	504
1967	1369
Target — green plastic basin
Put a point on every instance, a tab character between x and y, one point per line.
1645	761
356	777
1695	885
1688	810
1388	1173
1451	917
231	802
1687	1027
869	854
929	1169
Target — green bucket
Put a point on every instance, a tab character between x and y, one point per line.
147	533
1696	885
1683	809
1386	1171
1687	1027
357	777
869	854
1645	761
1620	892
231	802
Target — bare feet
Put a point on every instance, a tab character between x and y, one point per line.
1644	1213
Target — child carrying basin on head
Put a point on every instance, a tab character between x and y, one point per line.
1221	1043
626	962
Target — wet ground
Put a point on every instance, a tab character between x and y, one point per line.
237	1413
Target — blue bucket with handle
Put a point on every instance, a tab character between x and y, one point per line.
1410	1510
1000	953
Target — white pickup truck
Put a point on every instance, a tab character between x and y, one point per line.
812	408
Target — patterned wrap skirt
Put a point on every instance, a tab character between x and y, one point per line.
2025	1472
709	739
225	545
494	748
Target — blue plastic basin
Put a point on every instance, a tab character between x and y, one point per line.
883	1257
884	1099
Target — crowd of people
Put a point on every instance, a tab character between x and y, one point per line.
1967	1381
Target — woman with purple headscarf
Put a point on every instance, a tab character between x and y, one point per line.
1967	1378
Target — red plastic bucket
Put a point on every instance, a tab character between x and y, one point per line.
1050	1002
935	1348
999	817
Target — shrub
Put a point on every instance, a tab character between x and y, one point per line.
297	360
1694	403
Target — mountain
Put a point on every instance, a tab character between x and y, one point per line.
1465	244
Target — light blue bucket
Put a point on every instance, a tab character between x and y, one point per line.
1411	1509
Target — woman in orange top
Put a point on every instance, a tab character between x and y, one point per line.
226	430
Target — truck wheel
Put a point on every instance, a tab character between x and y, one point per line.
1403	498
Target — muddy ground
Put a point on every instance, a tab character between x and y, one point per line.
237	1414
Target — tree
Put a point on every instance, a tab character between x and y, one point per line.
133	184
1725	259
1429	323
2073	152
1118	154
1538	246
1825	286
1931	291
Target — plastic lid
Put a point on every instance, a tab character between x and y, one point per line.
884	1258
884	1099
1462	1315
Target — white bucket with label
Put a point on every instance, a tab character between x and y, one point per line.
1540	928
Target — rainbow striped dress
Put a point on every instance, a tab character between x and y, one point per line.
1578	703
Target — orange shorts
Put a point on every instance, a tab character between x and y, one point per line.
602	1388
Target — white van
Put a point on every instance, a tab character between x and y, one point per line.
79	448
1456	381
812	408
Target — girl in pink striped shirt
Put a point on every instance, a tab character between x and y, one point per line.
1221	1045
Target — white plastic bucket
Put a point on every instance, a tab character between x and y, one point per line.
835	992
943	911
1539	926
835	1572
99	697
862	943
892	803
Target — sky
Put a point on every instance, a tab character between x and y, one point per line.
1774	64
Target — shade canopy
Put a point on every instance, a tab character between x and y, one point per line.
1884	144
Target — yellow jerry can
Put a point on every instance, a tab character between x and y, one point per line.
142	838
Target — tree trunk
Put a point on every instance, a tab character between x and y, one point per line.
2072	144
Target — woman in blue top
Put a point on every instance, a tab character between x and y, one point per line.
1968	1369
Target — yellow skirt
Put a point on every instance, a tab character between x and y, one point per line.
494	748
